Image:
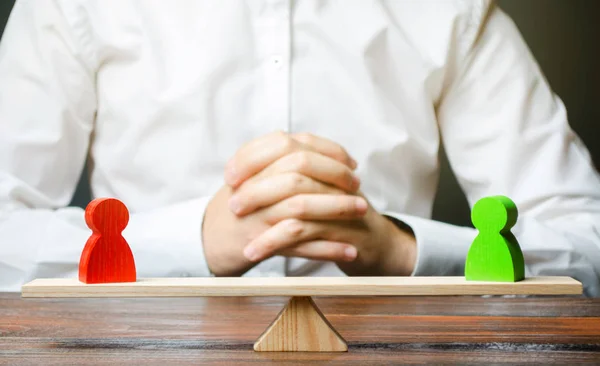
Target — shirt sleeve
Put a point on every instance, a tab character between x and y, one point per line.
47	114
506	132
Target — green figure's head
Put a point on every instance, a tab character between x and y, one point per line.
495	213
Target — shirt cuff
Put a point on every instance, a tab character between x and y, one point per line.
167	242
441	248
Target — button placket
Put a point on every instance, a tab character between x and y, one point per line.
277	67
274	46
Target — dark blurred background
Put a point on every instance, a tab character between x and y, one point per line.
564	36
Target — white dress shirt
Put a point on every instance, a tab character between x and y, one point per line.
158	95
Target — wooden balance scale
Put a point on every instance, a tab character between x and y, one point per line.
300	326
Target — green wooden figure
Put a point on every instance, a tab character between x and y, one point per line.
495	254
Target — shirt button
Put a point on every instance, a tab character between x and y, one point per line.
277	61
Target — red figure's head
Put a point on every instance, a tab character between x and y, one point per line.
106	214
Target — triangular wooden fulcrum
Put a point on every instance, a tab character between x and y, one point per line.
300	327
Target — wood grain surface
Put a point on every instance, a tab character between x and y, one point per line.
300	286
222	330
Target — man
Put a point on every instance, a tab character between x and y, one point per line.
270	138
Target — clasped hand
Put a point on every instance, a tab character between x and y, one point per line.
297	195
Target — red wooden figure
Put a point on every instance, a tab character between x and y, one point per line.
106	256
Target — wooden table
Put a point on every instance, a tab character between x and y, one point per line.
379	330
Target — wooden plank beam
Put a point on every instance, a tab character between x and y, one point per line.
300	286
